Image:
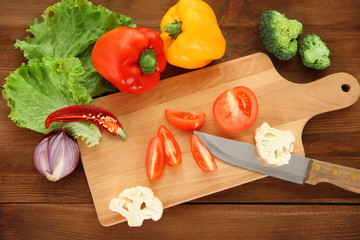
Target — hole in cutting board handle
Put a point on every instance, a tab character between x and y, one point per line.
345	87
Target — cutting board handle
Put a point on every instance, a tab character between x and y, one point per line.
341	176
333	92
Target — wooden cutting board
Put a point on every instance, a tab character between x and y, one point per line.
115	164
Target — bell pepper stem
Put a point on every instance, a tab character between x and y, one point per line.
174	29
147	61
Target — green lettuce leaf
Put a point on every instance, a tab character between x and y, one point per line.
35	90
91	79
70	28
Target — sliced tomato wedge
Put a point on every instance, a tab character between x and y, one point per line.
235	109
172	149
203	157
185	120
155	161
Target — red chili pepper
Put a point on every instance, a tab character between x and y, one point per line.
130	58
98	116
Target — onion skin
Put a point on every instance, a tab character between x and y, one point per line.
56	155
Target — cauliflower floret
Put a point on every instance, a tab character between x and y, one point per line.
273	146
137	204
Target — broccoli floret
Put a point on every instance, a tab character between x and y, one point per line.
279	34
314	53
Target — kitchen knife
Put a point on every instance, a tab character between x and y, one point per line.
299	170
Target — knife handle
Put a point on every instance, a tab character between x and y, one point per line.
341	176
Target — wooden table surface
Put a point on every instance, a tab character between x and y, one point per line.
33	208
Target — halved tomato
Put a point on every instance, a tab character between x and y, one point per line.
155	161
235	109
172	149
185	120
202	154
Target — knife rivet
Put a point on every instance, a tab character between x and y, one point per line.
317	166
335	171
353	176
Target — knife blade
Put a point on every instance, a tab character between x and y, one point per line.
300	169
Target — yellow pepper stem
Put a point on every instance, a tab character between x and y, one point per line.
173	29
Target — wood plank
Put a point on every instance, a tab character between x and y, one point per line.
38	191
74	189
190	221
20	182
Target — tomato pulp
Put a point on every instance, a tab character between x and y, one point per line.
155	161
235	109
172	149
203	157
185	120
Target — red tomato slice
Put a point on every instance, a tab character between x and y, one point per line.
172	149
185	120
236	109
155	161
202	154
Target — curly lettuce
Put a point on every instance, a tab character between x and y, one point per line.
35	90
59	72
70	28
91	79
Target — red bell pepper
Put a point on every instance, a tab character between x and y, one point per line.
98	116
130	58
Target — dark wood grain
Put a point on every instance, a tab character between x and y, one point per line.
33	208
211	221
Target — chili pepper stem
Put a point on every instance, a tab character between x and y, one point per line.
121	132
174	29
147	61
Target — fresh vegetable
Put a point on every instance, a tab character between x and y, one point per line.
192	37
155	159
98	116
59	71
171	147
202	155
235	109
185	120
279	34
130	58
70	28
274	146
36	90
137	204
314	53
56	155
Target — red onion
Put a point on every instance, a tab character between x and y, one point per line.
56	155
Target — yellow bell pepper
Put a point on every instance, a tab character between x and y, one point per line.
191	35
